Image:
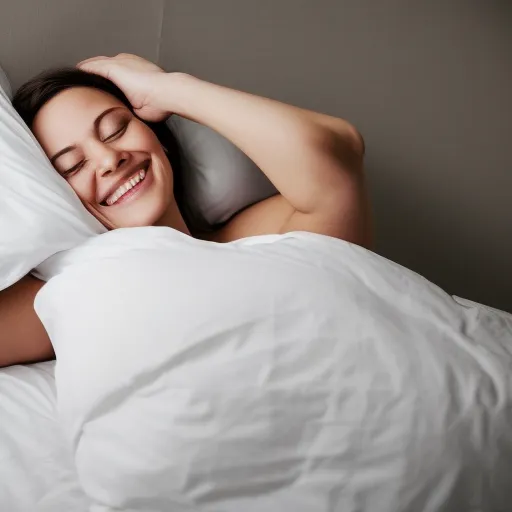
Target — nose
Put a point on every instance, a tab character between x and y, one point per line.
108	159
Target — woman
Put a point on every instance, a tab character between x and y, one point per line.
102	128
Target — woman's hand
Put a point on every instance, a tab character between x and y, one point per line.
139	79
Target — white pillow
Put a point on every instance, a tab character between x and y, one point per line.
218	179
39	213
278	373
5	86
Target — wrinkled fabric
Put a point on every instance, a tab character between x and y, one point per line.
277	373
37	472
39	212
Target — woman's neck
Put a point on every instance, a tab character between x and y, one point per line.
172	218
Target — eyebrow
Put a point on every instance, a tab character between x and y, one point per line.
97	122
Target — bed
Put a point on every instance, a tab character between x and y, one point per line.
385	395
36	468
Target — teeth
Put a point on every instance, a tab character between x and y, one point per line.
128	185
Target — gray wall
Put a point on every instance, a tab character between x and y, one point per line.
427	82
35	34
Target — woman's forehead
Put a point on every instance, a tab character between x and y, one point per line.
78	99
72	111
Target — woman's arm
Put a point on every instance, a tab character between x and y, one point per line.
314	160
23	338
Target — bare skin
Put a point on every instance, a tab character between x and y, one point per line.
315	161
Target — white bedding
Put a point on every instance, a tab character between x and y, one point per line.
39	212
277	373
36	469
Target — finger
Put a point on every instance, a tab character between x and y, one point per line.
102	68
130	57
92	59
95	64
126	56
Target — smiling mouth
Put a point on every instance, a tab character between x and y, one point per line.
128	188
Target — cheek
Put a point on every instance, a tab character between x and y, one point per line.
140	138
83	185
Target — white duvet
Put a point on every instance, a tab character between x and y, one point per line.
275	374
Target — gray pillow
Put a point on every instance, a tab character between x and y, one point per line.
218	179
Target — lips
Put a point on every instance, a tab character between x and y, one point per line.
124	185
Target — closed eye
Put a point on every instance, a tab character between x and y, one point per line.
73	169
116	134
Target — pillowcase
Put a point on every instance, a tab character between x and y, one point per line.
218	179
5	86
39	213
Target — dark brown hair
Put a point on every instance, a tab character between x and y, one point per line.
35	93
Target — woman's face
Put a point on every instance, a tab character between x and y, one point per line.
112	160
